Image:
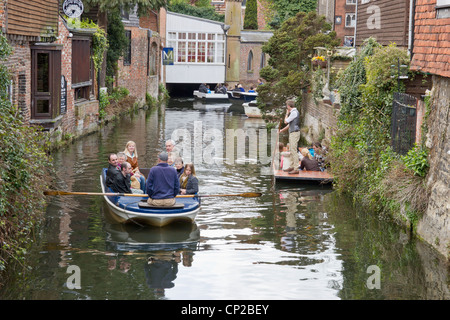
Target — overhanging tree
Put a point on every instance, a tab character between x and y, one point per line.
291	47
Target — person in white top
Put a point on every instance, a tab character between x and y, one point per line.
292	119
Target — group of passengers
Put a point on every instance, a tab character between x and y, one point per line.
169	178
223	88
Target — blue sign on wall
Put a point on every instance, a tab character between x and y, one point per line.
167	56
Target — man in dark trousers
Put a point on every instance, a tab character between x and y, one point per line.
162	183
292	119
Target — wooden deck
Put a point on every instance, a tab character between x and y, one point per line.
305	176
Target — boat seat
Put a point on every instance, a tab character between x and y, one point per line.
177	205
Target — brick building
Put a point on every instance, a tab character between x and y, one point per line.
140	69
44	88
431	55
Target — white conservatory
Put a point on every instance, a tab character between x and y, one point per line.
199	48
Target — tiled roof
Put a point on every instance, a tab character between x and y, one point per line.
431	51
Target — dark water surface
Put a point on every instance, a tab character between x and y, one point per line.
294	242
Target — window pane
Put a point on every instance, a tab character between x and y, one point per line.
201	52
43	69
42	106
211	52
220	53
181	52
211	36
220	36
191	36
191	52
182	35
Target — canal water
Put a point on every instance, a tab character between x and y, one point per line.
294	242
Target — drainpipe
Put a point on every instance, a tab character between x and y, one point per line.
356	24
411	27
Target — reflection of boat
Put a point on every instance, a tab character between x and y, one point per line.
210	96
131	237
239	96
251	109
129	209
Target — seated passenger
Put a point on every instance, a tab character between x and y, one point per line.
251	89
224	89
121	182
179	166
320	153
308	162
162	183
218	88
188	180
132	157
203	88
112	170
241	88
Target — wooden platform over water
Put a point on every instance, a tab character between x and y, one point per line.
304	176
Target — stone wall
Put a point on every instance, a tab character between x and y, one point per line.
434	227
320	120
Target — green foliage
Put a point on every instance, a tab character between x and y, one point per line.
24	173
362	160
103	102
205	12
251	15
286	9
99	39
290	49
118	42
110	5
417	160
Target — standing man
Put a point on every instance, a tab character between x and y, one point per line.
162	183
292	119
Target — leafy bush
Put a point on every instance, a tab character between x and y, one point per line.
417	160
24	173
251	15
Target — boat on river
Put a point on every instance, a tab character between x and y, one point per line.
210	97
251	109
136	209
241	96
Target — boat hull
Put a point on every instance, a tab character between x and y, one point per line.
210	97
240	97
127	210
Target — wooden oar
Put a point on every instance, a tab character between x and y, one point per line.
66	193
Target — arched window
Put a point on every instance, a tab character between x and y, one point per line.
263	60
250	61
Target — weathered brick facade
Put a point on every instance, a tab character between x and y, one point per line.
431	40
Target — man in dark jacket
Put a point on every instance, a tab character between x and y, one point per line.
112	170
162	183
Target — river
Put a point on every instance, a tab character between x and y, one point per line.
294	242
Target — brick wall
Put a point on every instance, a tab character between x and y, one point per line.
431	52
434	227
133	76
69	122
320	120
248	78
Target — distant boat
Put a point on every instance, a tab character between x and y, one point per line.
210	97
240	96
251	109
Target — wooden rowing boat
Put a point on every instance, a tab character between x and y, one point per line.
135	209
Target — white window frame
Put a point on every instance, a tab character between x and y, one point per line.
191	40
352	21
351	2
